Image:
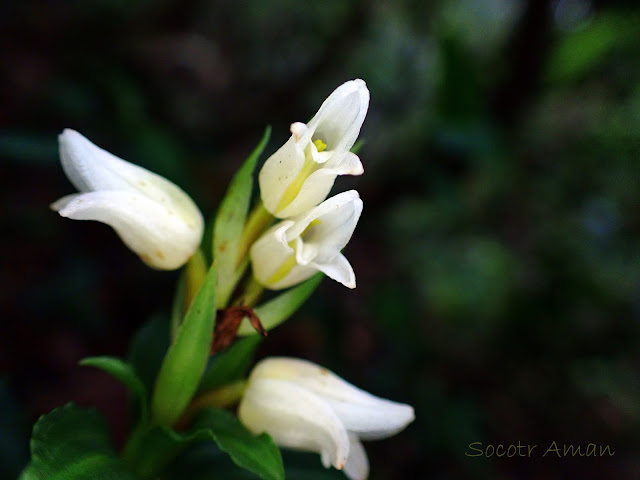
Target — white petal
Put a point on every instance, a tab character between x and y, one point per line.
332	214
162	239
90	168
294	417
340	117
270	252
357	466
318	185
366	415
338	269
278	172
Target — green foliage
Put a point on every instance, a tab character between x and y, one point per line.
73	443
159	445
230	222
276	311
177	307
126	374
231	364
187	357
148	348
255	453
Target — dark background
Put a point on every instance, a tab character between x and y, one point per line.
497	256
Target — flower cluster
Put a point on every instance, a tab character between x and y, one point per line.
299	404
293	183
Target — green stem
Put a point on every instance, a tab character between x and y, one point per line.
252	292
222	397
259	220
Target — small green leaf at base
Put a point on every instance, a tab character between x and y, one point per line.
258	454
73	443
122	371
186	359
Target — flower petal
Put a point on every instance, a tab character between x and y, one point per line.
340	117
91	168
357	466
338	269
162	239
296	418
319	183
278	172
366	415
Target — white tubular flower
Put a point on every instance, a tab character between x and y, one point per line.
293	250
306	407
152	216
301	173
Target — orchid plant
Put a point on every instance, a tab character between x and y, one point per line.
291	238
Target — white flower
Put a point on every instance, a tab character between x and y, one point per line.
301	173
293	250
152	216
306	407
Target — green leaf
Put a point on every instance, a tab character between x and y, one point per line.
230	222
276	311
148	348
74	443
230	364
187	357
205	461
126	374
258	454
177	307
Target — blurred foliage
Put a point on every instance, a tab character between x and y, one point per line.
498	252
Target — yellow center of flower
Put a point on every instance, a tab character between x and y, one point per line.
310	166
320	145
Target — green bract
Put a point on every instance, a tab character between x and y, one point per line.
187	356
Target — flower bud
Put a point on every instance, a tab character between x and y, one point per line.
152	216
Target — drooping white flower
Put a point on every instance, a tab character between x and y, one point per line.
306	407
301	173
293	250
152	216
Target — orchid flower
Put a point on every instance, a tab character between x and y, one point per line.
306	407
301	173
293	250
152	216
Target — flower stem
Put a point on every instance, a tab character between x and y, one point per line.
251	293
259	220
220	397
